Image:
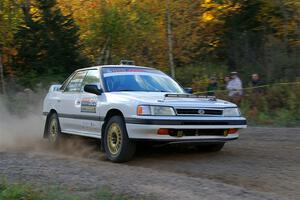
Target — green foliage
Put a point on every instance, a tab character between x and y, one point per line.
10	18
274	105
123	30
277	106
17	192
27	192
248	36
47	44
261	38
210	38
198	76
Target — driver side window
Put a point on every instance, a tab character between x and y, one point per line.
92	77
76	82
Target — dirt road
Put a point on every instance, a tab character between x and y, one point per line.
263	164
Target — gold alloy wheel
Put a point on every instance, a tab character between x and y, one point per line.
53	131
114	138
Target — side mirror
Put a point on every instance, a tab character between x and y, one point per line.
188	90
92	89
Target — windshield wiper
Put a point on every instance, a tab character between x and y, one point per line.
159	91
125	90
128	90
164	91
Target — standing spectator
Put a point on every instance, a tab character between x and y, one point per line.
225	82
256	83
257	95
226	79
212	86
234	88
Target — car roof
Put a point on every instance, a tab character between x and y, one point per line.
115	66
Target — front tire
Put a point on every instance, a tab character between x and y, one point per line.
54	131
118	148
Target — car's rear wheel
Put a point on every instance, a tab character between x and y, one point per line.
211	147
117	146
54	132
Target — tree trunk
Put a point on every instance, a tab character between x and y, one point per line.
170	40
101	60
286	24
26	10
107	56
2	76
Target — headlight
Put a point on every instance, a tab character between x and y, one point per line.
231	112
155	110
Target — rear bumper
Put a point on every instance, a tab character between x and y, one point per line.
146	129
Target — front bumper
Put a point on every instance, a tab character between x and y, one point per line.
146	128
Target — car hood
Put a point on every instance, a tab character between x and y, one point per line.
158	98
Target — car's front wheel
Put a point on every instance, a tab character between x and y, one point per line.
53	132
117	146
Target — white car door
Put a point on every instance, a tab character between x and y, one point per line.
90	106
69	104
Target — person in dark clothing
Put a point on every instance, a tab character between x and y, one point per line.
224	83
257	94
256	82
226	80
212	86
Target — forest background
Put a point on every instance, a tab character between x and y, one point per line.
43	41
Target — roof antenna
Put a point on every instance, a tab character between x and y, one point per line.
127	62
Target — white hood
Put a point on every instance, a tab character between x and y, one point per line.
158	98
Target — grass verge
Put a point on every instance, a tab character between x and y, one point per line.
20	191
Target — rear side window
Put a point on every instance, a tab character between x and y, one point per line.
92	77
76	82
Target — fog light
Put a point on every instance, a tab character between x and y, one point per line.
232	130
163	131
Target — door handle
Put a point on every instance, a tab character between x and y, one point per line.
77	102
58	100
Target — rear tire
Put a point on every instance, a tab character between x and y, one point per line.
54	132
118	148
211	147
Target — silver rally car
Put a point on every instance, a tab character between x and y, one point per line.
125	104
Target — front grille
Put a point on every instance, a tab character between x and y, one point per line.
213	112
199	112
196	132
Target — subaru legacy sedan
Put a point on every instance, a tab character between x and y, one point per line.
122	105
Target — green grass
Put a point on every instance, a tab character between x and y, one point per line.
20	191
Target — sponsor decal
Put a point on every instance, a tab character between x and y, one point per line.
88	105
124	70
128	70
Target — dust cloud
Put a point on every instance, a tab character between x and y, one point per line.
19	131
22	128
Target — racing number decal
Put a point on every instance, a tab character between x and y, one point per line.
88	105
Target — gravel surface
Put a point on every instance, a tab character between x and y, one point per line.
263	159
263	164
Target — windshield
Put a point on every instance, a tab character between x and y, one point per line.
138	79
